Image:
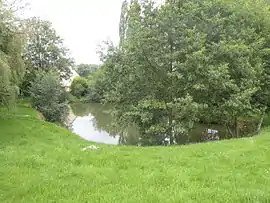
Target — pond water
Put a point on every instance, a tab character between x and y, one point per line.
93	122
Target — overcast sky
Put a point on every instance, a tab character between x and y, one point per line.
83	24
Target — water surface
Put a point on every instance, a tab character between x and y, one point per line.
94	122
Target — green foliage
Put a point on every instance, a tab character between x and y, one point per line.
44	51
11	65
123	21
6	92
79	87
93	88
72	99
97	86
49	97
199	60
85	69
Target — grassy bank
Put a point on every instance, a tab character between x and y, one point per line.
41	162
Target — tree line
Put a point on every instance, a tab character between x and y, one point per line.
189	61
177	64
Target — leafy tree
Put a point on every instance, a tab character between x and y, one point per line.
93	87
11	65
229	65
143	88
85	69
187	61
48	96
97	86
123	21
44	51
79	87
261	99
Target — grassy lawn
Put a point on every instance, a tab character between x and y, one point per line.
21	109
41	162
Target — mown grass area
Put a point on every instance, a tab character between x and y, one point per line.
41	162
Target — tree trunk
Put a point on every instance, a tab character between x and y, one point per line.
236	127
229	130
171	128
172	136
259	126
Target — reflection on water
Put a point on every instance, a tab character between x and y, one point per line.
86	128
93	122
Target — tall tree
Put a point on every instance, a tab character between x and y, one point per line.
187	61
229	66
145	91
123	21
11	65
45	51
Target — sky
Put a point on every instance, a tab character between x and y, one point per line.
82	24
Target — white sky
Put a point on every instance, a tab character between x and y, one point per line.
83	24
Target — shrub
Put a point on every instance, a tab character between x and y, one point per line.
49	97
98	85
79	87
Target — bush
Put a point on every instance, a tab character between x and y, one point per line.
97	86
79	87
49	97
72	99
8	91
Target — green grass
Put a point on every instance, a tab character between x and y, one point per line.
41	162
21	109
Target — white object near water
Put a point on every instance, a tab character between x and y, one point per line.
211	131
167	139
92	147
67	83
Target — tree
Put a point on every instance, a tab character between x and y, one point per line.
123	22
11	65
85	69
97	86
79	87
229	67
48	96
143	89
44	51
187	61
